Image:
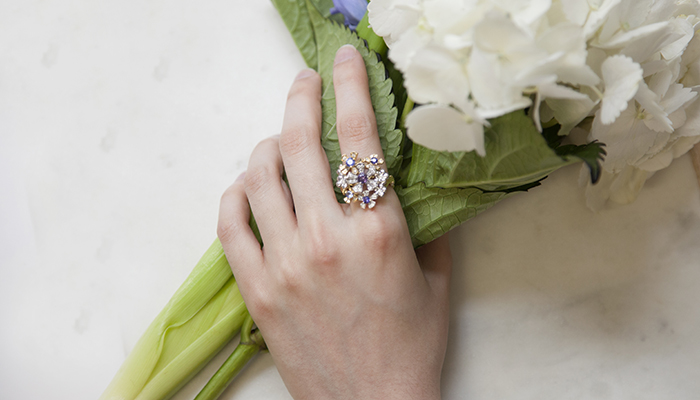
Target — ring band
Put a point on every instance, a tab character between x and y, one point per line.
362	179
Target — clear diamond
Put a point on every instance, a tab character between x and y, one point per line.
351	179
357	188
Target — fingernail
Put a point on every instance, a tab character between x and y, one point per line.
241	176
305	74
345	53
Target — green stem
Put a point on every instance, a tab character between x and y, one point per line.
406	110
251	343
374	42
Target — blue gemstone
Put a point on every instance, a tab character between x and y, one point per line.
349	195
362	177
373	160
350	162
365	200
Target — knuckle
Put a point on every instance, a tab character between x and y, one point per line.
320	248
356	126
295	141
257	178
384	231
290	278
304	87
228	231
260	304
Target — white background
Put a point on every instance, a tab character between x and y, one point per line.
122	122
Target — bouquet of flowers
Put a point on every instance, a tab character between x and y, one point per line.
475	101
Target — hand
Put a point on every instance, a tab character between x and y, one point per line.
347	308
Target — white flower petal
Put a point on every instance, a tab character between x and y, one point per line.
443	128
552	90
625	38
684	29
627	184
391	18
524	12
597	16
407	45
570	113
691	127
677	97
649	101
576	10
622	77
622	187
434	76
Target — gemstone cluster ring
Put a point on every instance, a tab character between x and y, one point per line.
362	179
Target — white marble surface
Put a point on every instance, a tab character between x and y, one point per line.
121	122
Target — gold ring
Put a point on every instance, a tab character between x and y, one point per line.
362	179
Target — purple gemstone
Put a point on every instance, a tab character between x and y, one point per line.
350	162
365	199
362	177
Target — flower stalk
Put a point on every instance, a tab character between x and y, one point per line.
205	313
250	345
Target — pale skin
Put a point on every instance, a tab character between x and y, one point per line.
348	309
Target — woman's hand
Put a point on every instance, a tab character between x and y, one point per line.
347	308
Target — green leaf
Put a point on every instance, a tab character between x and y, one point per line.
516	154
296	17
431	212
592	154
329	37
324	8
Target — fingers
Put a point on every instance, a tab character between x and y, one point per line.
240	245
436	261
300	144
265	190
356	122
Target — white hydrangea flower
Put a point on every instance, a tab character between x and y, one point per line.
480	59
632	66
661	119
